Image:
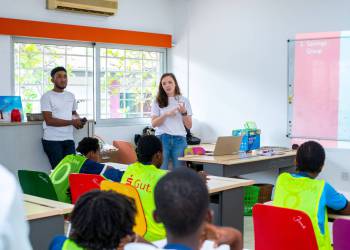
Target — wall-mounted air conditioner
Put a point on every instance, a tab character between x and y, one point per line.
98	7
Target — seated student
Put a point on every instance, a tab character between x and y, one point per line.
302	191
144	175
182	205
100	220
85	163
14	229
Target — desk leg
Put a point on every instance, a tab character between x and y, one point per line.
214	169
228	207
232	208
43	230
282	164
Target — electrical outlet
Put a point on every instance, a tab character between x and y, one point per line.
345	176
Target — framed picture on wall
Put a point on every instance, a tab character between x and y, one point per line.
11	109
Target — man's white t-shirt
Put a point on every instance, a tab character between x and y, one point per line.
172	125
61	105
14	230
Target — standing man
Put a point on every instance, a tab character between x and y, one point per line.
59	111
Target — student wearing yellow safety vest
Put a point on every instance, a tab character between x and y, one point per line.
302	191
144	175
100	220
86	163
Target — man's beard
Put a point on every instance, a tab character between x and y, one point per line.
59	87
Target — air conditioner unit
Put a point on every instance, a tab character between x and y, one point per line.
98	7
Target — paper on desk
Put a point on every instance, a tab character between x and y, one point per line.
118	166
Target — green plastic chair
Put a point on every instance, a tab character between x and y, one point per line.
37	183
251	197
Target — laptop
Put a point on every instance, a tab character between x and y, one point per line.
226	145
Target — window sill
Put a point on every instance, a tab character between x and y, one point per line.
123	122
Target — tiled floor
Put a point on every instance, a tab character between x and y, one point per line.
248	233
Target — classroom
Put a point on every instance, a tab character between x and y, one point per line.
174	124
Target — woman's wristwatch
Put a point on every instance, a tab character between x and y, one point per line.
184	113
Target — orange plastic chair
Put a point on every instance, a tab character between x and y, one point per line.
277	228
82	183
126	152
140	221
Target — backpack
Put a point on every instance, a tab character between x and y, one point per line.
191	140
146	131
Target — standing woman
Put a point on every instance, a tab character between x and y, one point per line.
171	113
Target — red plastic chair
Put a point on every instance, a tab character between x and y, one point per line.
82	183
341	229
126	153
277	228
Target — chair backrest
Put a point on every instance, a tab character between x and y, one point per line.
277	228
126	152
140	221
341	229
37	183
82	183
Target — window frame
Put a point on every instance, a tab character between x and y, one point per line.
122	121
96	72
29	40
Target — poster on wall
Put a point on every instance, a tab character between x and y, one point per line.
11	109
319	88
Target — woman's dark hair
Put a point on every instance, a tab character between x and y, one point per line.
310	157
100	220
147	147
87	145
162	98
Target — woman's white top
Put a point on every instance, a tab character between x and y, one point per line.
172	125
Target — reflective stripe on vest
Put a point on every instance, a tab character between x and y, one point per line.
144	178
59	177
71	245
303	193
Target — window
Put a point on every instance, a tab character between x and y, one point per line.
33	63
126	77
128	80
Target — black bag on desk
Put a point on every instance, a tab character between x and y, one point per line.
191	140
146	131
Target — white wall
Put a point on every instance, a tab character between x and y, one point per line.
178	56
237	54
25	141
138	15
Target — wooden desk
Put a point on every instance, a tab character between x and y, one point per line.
338	216
46	219
118	166
218	184
234	165
227	200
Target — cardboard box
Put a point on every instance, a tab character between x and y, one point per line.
250	139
